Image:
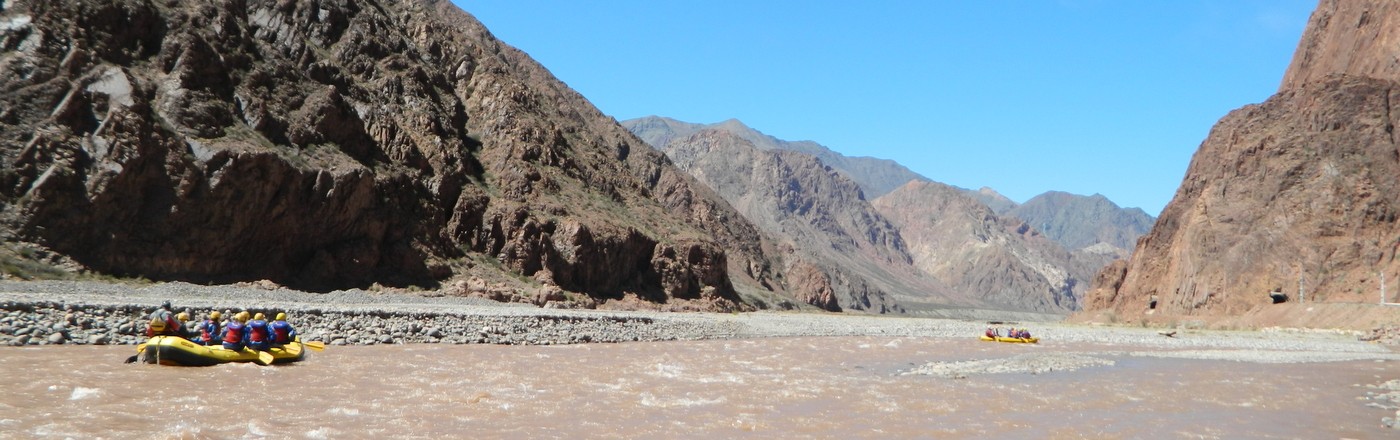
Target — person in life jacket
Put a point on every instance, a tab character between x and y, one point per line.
282	332
259	334
235	333
209	330
991	333
162	322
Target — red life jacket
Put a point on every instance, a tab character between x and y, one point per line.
257	331
204	330
281	332
233	332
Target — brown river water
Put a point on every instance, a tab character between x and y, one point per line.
827	387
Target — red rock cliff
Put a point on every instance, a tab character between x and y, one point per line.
1303	186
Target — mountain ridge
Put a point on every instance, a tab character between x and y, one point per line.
875	176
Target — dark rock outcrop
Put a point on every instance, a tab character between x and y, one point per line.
335	144
1299	193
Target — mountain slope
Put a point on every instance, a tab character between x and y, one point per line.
875	176
819	216
1301	187
1079	222
336	144
1001	260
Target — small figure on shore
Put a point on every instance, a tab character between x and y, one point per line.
235	333
282	331
209	330
259	334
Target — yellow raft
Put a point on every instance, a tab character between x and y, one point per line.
172	350
1012	340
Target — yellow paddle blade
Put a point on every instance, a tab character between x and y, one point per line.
314	345
264	358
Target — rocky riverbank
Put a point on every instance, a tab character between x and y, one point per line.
90	313
42	313
54	312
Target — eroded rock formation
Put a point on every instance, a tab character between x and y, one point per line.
1000	260
336	143
1298	194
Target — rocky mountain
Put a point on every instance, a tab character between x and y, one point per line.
1080	222
875	176
1077	222
924	245
1004	260
819	217
1092	224
1298	193
993	199
340	143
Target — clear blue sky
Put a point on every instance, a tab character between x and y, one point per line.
1083	96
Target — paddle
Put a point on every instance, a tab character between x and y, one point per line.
264	358
314	345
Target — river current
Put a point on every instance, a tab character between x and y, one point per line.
829	387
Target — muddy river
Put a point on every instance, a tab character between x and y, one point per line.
829	387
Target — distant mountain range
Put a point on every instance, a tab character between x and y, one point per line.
875	176
1075	221
328	145
916	239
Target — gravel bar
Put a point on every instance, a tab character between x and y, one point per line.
82	312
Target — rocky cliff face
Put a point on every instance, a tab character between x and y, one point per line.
1001	260
338	143
876	177
1300	187
852	257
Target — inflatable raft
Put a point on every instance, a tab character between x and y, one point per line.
171	350
1013	340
